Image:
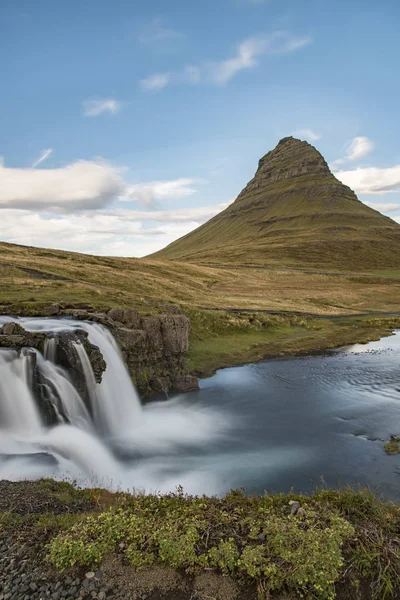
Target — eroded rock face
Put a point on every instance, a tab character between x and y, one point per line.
154	349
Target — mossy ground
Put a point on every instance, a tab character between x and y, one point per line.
221	339
340	540
393	446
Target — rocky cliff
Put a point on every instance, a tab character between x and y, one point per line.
293	213
154	347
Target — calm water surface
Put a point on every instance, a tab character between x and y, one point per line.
300	420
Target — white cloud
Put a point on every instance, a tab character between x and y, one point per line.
221	72
80	185
382	207
396	219
93	233
356	149
44	155
246	57
371	180
359	147
117	232
94	108
198	214
160	37
308	134
156	82
148	193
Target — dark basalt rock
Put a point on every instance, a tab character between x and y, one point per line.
154	349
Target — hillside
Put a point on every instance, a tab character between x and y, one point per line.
294	212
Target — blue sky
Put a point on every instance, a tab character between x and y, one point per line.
125	124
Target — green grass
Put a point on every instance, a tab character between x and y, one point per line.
224	339
393	447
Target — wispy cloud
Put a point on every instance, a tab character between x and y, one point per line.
197	214
356	149
156	82
308	134
359	147
158	36
372	180
44	155
384	207
148	193
220	72
94	108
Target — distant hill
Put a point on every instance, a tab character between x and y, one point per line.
294	212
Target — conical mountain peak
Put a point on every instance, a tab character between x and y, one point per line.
290	159
293	213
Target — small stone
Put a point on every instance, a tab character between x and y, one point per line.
301	512
99	574
102	596
294	507
33	586
261	536
90	575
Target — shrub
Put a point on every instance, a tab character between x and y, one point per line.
247	537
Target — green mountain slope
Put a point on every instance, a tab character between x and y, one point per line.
294	212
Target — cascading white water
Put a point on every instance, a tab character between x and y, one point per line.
18	411
63	396
118	408
114	441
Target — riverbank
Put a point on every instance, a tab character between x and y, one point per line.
222	339
57	541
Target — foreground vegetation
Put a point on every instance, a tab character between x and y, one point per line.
305	547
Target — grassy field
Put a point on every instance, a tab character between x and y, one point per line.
33	278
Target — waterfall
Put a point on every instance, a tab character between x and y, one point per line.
103	437
117	410
18	411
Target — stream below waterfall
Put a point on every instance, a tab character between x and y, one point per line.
276	425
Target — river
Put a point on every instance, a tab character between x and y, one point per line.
293	423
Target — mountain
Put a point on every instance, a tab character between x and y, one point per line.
293	213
